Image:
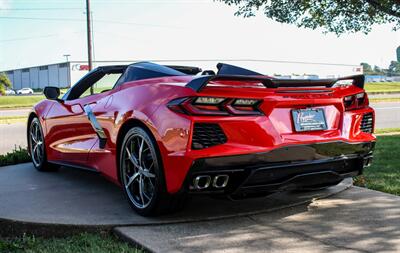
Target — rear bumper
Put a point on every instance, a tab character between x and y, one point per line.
287	168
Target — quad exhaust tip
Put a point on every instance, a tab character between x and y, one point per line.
201	182
220	181
204	181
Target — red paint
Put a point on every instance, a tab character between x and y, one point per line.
70	137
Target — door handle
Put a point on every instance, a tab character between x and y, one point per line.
96	125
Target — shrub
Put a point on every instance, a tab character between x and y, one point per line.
16	156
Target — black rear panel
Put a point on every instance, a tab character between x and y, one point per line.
367	123
207	135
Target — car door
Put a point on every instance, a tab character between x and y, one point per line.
70	133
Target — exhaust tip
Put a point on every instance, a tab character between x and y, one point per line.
220	181
201	182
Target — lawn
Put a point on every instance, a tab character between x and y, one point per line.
19	101
12	119
383	87
384	174
95	243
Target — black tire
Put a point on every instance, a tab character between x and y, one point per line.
38	151
158	200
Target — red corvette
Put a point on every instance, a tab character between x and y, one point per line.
164	132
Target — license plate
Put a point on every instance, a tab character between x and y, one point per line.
309	119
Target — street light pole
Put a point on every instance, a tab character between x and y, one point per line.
89	38
66	57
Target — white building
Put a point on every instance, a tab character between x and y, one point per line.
61	75
66	74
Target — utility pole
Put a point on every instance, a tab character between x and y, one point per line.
89	38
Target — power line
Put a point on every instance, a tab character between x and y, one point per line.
36	37
39	9
97	20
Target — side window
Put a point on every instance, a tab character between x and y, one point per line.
106	83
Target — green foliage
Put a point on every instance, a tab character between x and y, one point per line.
335	16
16	156
394	68
366	67
74	244
4	83
384	174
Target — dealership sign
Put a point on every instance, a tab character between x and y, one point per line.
80	67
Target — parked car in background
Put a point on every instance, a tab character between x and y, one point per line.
10	92
25	91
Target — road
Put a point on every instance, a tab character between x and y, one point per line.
387	116
14	112
11	136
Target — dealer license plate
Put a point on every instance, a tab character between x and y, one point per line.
309	119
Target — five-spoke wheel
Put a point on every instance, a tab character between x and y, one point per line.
138	170
36	143
37	148
142	176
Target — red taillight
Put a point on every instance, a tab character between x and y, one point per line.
357	101
215	106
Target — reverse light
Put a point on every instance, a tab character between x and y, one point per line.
245	102
357	101
215	106
208	100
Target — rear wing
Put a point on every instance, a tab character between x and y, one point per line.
198	84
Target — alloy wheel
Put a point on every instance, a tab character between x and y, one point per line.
36	143
138	171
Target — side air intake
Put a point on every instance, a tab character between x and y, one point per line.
367	123
207	135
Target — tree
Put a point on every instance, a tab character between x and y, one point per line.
337	16
394	68
367	69
4	83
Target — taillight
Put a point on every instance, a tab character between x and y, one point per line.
357	101
215	106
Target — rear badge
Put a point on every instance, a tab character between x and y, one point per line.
309	119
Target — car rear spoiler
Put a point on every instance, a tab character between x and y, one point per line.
198	84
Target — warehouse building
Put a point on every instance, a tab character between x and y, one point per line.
59	74
65	74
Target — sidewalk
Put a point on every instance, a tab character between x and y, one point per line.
356	220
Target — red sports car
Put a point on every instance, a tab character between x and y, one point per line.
165	132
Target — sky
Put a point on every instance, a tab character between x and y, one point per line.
38	32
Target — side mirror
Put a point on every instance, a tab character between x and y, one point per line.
52	93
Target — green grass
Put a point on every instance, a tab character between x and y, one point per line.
377	100
387	130
18	155
85	242
12	119
383	87
19	101
384	173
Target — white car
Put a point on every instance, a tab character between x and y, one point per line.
10	92
25	91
